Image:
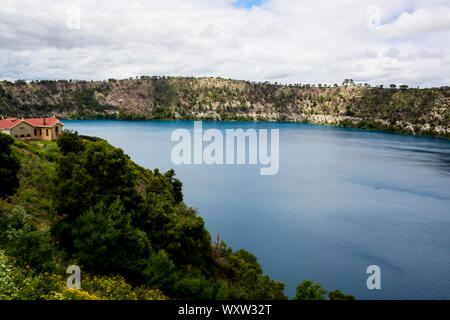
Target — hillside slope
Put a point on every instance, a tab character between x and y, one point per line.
414	111
81	201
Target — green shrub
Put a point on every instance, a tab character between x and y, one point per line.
308	290
16	283
9	167
105	241
25	242
338	295
36	248
12	223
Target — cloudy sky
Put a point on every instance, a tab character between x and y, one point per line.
288	41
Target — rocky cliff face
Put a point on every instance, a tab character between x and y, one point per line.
416	111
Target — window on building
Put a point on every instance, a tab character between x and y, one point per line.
35	132
46	133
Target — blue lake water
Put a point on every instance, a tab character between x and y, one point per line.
343	199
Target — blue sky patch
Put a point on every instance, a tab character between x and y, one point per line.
247	3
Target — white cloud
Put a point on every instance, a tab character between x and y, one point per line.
281	40
424	20
392	53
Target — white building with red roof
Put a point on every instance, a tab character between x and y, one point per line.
47	129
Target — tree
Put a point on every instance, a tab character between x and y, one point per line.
105	241
70	141
338	295
392	86
161	271
177	186
9	167
178	231
348	82
250	282
348	111
308	290
98	173
194	286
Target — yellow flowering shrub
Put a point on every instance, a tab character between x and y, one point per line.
98	288
70	294
22	283
116	288
16	283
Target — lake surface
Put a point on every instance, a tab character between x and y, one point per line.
343	199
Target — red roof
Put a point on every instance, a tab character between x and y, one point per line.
8	123
43	122
35	122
